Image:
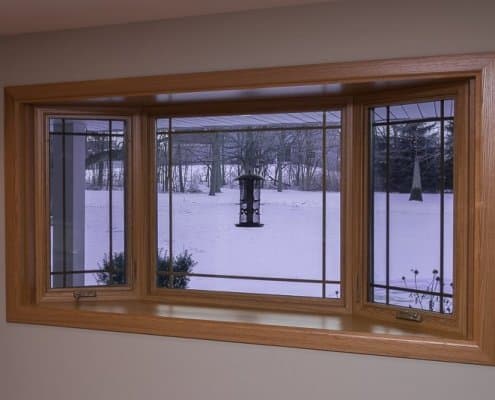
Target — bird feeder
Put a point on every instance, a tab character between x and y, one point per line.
250	189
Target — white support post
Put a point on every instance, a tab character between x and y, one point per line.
68	205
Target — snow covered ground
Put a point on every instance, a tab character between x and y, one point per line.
289	245
414	236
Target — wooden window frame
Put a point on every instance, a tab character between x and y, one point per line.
354	325
247	300
464	152
41	145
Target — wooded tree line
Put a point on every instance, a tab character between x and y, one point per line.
410	144
285	159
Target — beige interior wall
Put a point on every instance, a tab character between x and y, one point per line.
56	363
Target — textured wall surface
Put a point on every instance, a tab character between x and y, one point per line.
56	363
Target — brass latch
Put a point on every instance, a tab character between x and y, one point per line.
84	293
409	315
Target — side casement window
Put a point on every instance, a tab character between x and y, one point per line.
87	186
412	205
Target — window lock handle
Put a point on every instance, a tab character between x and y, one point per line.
78	294
409	315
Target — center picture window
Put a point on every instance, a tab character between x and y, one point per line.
250	203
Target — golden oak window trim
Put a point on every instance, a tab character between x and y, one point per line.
43	140
23	291
464	150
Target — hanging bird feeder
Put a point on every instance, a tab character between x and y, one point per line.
250	190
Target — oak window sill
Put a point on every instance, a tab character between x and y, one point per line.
346	333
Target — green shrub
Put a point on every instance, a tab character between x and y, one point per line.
114	274
183	263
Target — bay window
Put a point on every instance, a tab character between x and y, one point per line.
339	209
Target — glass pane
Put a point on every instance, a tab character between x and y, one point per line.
379	295
118	195
414	210
256	287
422	301
98	278
162	188
86	203
333	291
208	203
333	204
250	188
412	174
379	202
92	127
415	111
448	226
247	121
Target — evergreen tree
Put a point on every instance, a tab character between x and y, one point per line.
416	188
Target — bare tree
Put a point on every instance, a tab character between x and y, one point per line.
216	165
